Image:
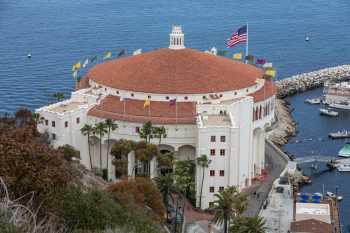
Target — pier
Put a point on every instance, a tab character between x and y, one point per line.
307	81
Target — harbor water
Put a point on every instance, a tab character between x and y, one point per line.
59	33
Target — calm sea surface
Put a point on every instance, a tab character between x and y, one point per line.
58	33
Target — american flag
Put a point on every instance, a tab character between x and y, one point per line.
237	37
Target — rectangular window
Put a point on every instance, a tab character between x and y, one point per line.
222	172
53	123
211	189
221	188
66	124
212	152
53	136
211	204
212	138
212	172
46	122
137	129
223	139
222	152
78	120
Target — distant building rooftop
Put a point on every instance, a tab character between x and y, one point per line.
66	107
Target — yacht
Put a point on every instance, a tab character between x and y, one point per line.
341	105
328	112
343	167
313	101
340	134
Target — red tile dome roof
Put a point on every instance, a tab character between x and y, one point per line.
166	71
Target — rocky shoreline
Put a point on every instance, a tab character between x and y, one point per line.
285	127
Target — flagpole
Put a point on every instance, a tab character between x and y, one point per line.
246	46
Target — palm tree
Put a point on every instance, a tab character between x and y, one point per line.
203	162
58	95
146	132
87	130
166	186
120	151
111	126
254	224
100	129
159	132
166	161
226	204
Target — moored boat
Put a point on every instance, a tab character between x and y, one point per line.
343	167
313	101
341	105
328	112
340	134
345	151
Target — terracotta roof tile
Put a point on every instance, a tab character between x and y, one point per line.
159	112
267	91
167	71
311	226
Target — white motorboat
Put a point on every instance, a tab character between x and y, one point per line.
313	101
328	112
341	105
340	134
330	194
343	167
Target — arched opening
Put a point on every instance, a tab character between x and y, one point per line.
187	152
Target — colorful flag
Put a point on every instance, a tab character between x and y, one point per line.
267	65
94	58
107	55
76	66
260	61
121	53
172	102
137	52
147	104
222	52
250	58
237	56
237	37
270	72
86	62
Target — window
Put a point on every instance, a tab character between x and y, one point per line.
186	98
137	129
204	97
221	188
222	152
105	89
223	139
53	136
66	124
212	152
78	120
149	97
247	90
235	93
132	94
212	138
117	92
211	204
53	124
167	97
211	189
46	122
222	172
212	172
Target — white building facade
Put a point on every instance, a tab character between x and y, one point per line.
221	109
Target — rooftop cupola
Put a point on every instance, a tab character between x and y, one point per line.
177	38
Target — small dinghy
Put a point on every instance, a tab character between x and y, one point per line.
307	39
29	55
313	101
327	112
330	194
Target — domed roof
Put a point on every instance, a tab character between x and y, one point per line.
166	71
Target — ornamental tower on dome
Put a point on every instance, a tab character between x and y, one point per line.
177	38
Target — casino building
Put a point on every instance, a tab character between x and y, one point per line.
222	109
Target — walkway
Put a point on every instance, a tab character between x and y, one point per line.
275	163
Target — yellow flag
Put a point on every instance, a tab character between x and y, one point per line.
107	55
147	104
271	72
237	56
76	66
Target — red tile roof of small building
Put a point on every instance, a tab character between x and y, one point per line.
133	111
311	226
166	71
265	92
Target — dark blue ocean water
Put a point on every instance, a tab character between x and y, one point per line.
58	33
